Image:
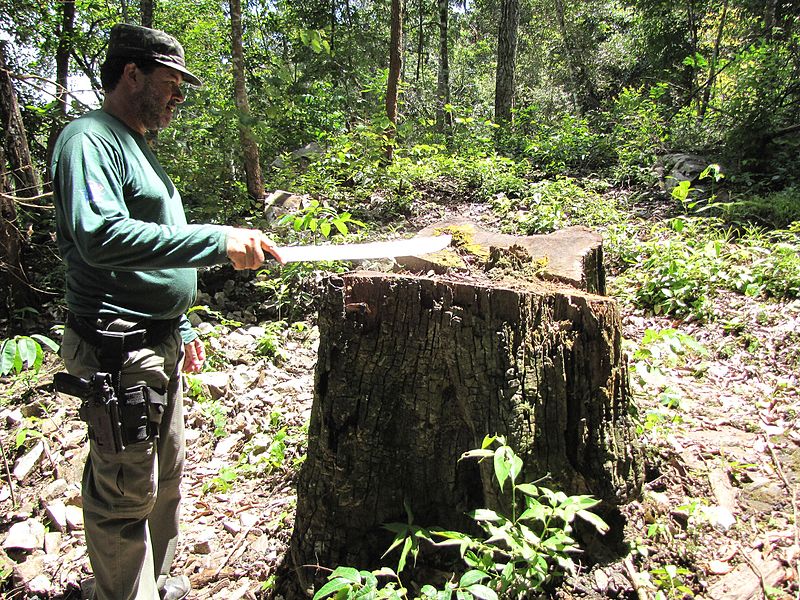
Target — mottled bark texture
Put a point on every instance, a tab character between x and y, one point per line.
414	371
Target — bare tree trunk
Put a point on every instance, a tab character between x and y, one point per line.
62	74
769	17
395	68
506	61
585	94
420	39
252	165
26	185
712	66
443	117
146	12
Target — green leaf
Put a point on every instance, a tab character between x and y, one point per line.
331	588
348	573
19	439
7	356
325	229
502	466
477	454
484	514
27	348
407	545
45	341
528	489
471	577
481	591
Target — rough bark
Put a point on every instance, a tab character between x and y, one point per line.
252	164
506	60
63	52
25	185
146	12
413	371
395	68
585	92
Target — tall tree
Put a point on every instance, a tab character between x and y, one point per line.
252	164
64	33
506	60
26	185
713	64
443	79
395	68
583	89
146	12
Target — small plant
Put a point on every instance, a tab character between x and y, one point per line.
318	218
659	350
24	352
346	583
263	454
209	408
269	345
670	583
518	554
222	481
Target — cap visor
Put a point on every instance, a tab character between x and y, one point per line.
188	76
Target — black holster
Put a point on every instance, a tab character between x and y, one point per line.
114	422
117	417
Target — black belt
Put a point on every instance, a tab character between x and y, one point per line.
120	336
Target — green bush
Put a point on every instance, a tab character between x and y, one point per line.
549	205
681	268
562	145
637	134
774	211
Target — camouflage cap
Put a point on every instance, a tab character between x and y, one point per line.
132	41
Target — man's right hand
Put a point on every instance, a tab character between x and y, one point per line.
247	248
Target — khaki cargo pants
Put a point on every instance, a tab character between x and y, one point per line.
131	499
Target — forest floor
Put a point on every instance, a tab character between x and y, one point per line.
717	518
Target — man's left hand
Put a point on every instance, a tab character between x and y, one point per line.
195	356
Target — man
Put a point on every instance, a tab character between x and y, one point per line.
131	264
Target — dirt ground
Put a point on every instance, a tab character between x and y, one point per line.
717	518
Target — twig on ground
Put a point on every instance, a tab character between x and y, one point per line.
238	542
754	567
633	575
8	475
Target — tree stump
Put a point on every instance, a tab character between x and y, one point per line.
415	370
573	255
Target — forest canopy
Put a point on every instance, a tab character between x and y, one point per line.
560	88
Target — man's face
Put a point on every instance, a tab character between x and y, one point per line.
159	98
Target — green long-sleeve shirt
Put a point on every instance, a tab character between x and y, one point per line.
121	227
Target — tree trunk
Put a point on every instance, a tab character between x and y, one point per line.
420	41
414	371
712	65
506	60
146	12
585	93
395	68
252	164
443	118
25	183
62	74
